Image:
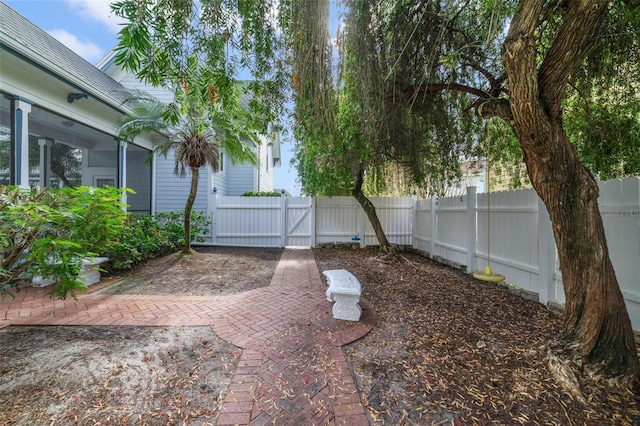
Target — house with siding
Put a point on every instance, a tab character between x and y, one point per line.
58	115
231	179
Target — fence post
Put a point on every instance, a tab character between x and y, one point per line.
470	214
361	225
283	220
434	226
546	257
214	217
414	220
312	227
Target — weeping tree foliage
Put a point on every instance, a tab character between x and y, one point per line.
333	156
603	99
320	151
601	106
352	126
227	39
423	132
433	69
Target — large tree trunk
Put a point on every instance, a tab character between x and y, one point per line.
597	330
597	333
195	174
370	211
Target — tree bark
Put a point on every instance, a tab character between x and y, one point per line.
597	333
195	174
370	211
59	170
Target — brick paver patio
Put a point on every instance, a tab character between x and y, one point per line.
292	370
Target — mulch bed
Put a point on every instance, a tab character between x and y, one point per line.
452	350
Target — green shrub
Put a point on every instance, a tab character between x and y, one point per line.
261	194
149	236
49	232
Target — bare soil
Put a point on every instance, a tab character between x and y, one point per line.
113	375
132	375
209	271
446	350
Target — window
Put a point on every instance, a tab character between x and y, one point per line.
64	152
101	182
220	162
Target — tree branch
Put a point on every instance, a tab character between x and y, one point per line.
486	106
432	89
575	38
494	82
494	107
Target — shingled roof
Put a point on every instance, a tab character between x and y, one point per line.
20	37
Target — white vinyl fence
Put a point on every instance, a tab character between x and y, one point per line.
305	221
510	229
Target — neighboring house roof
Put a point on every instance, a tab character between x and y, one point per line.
22	38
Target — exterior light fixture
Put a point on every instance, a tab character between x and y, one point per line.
71	97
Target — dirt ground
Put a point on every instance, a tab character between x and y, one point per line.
446	350
210	271
132	375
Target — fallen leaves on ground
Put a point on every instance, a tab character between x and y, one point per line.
90	375
452	350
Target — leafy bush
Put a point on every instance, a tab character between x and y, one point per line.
49	232
153	235
261	194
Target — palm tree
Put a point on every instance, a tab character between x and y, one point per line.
197	129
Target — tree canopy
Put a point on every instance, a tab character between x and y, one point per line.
415	82
228	40
419	77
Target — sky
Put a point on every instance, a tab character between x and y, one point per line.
90	29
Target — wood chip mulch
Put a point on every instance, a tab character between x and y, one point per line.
448	349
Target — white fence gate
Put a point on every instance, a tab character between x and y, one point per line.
511	229
305	221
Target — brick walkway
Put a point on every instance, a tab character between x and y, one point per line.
292	370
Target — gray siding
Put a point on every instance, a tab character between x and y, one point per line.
240	179
130	81
219	179
172	191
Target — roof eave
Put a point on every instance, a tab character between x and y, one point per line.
29	56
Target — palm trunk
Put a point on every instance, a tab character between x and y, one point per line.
195	174
370	211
